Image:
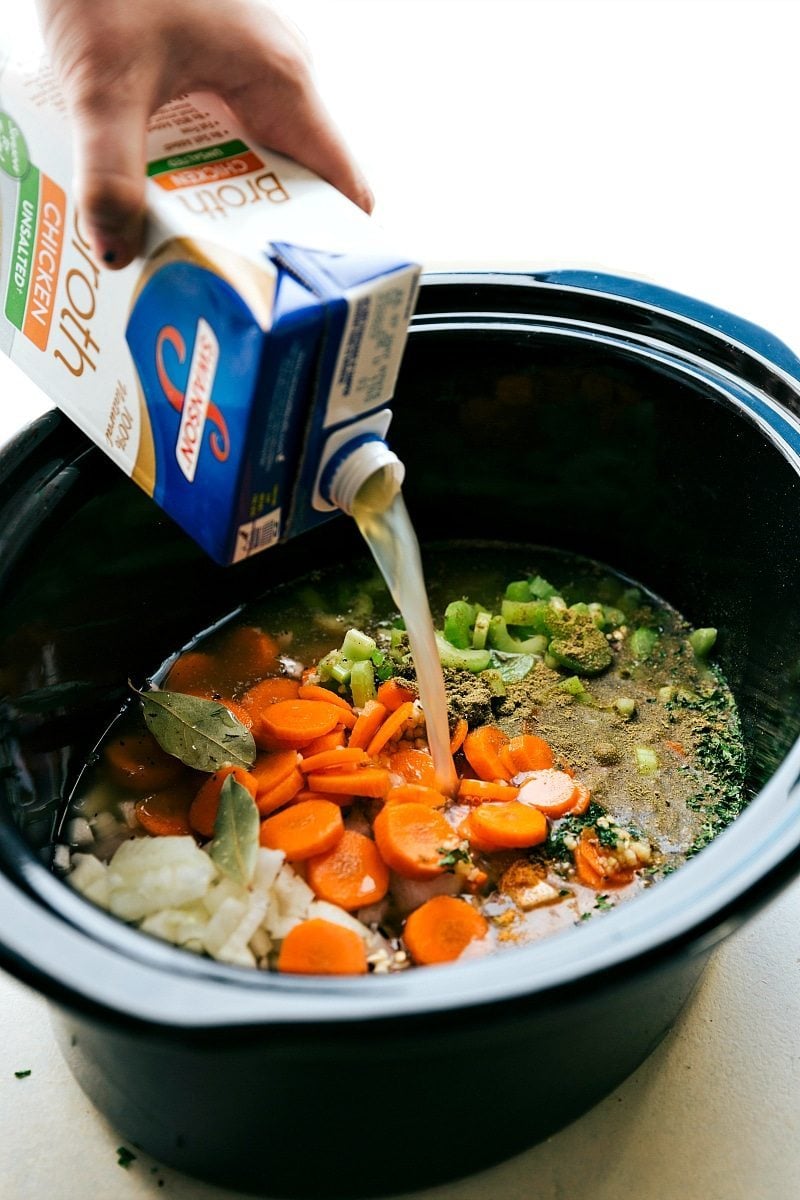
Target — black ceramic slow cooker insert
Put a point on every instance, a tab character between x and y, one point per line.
593	414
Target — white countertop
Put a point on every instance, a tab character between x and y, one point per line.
653	138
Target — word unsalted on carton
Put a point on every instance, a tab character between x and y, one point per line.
221	369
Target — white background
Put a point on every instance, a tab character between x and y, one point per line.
644	137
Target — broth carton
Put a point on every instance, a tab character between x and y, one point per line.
260	334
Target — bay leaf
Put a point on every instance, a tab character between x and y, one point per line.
204	734
236	829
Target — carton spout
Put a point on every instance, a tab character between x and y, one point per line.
365	473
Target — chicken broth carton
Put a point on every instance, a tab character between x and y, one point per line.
260	333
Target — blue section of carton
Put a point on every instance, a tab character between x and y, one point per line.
330	277
187	314
285	382
238	413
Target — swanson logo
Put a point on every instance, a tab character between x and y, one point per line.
194	405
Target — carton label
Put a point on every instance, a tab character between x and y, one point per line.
196	399
207	370
202	167
35	256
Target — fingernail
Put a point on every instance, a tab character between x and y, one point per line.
114	251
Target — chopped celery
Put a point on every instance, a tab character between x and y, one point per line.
614	617
458	619
625	706
481	630
580	607
340	671
461	660
532	613
362	608
495	681
358	646
551	661
596	613
702	641
499	638
630	600
362	682
646	760
572	686
518	590
643	643
397	637
540	588
325	665
534	645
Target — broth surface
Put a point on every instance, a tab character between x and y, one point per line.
650	744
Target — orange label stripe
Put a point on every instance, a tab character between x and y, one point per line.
212	172
46	261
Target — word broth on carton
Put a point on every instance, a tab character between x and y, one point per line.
260	333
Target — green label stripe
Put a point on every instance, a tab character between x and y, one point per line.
23	245
191	159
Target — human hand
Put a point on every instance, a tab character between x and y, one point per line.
119	60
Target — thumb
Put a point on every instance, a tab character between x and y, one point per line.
109	144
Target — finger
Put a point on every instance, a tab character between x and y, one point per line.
109	140
291	118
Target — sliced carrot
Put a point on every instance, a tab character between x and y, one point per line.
553	792
393	693
247	654
270	769
312	691
413	839
390	727
348	719
584	797
369	721
346	757
203	812
482	749
592	867
526	753
194	674
282	793
304	829
319	947
415	766
367	781
459	733
506	826
166	813
351	875
481	790
269	691
441	929
344	801
297	722
415	793
136	761
328	741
